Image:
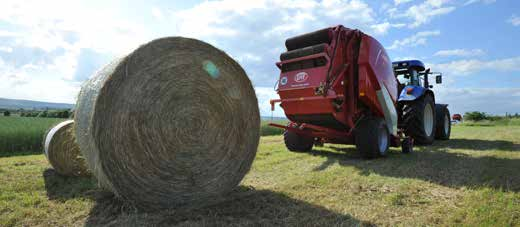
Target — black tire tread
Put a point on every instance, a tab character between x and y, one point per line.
366	132
297	143
441	111
412	120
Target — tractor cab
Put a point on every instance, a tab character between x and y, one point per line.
407	72
413	74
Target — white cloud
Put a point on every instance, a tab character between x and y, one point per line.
49	25
489	96
157	13
264	94
28	82
423	13
45	41
383	28
4	33
6	49
227	17
403	58
471	66
489	100
418	39
514	20
469	2
398	2
252	57
254	32
460	53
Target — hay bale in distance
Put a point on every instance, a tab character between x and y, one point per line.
175	123
63	152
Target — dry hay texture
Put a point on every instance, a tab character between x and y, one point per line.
173	124
63	152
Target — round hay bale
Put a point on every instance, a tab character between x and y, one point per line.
174	123
62	151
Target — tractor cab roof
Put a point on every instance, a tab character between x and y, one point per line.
408	64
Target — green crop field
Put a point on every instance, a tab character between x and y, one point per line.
266	130
23	133
471	180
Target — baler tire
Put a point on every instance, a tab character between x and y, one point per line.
297	143
413	120
442	117
368	137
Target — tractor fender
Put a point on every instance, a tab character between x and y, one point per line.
417	92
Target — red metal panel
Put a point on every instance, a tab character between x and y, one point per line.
303	79
375	70
367	90
373	57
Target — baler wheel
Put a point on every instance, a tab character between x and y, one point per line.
372	137
443	122
419	120
297	143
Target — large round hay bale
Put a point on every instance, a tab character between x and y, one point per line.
174	123
62	151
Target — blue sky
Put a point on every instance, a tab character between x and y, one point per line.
48	48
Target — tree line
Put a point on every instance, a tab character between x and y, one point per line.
39	113
479	116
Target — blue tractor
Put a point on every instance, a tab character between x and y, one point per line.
418	114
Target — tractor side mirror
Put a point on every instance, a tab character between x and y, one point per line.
438	79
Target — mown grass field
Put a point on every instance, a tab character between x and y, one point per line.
471	180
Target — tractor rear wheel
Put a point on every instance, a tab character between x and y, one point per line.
297	143
372	137
443	122
419	120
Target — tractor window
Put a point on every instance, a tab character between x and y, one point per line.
406	77
403	76
421	80
403	79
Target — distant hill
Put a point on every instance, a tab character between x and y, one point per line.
30	105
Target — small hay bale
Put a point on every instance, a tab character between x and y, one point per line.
62	151
173	124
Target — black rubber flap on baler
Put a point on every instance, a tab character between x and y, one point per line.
309	39
306	51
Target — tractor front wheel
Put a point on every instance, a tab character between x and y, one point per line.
372	137
297	143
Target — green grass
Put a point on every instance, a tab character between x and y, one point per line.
23	133
471	180
499	122
26	133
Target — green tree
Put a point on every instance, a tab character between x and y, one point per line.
65	114
43	114
476	116
7	113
